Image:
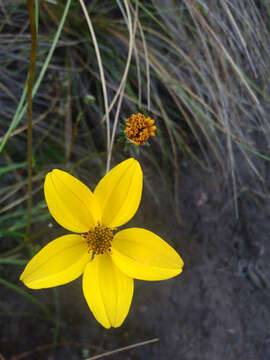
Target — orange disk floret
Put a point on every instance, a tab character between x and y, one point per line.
139	128
99	239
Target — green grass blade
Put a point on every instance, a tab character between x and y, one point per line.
21	109
12	167
13	261
25	294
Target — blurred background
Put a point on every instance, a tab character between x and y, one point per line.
200	69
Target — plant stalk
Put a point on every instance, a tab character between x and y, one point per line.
31	10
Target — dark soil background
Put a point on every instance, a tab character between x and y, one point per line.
218	308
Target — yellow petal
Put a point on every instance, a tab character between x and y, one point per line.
119	193
141	254
61	261
70	202
107	291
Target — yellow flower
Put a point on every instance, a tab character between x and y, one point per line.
108	261
139	128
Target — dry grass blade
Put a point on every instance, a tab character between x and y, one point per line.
125	348
233	22
224	50
101	70
132	33
19	201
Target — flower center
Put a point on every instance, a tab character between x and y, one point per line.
139	128
99	239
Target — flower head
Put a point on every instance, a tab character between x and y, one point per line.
139	128
109	260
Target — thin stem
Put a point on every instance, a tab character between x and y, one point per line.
27	241
31	10
132	33
21	109
125	348
101	71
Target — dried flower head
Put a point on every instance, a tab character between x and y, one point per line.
139	128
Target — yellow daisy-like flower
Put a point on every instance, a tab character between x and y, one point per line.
109	261
139	128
